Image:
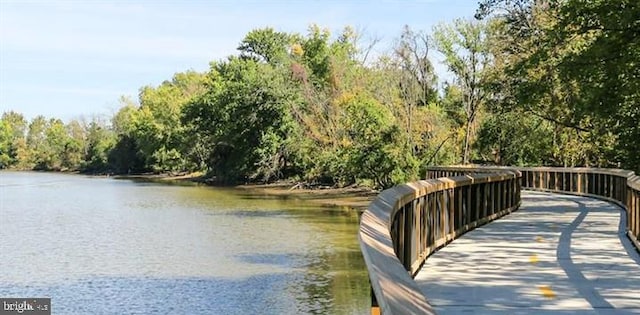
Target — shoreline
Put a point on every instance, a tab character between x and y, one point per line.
348	198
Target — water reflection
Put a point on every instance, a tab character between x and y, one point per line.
97	244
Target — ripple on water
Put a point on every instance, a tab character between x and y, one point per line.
104	246
131	295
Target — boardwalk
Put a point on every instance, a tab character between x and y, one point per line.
558	254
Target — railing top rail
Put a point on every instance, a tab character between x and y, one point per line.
611	171
587	170
634	182
392	284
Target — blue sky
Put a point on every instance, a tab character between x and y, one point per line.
68	59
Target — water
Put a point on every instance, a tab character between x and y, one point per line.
107	246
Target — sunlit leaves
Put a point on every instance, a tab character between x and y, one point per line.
575	67
465	47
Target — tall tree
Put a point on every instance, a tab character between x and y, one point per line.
36	143
160	135
75	146
265	45
100	140
126	156
417	80
573	63
56	144
5	144
244	114
15	145
464	45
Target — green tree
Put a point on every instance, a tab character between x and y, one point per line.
464	46
265	45
36	144
572	63
100	141
126	157
416	79
317	55
74	148
244	115
15	141
5	144
515	139
56	146
160	137
372	151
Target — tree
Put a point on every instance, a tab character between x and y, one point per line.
600	45
15	128
126	157
56	146
317	55
515	139
573	63
36	143
74	148
5	144
156	125
417	80
266	45
466	55
245	116
371	151
100	140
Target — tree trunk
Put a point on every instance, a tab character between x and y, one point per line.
465	155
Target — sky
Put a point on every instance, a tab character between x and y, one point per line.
70	59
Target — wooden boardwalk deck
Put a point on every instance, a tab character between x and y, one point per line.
558	254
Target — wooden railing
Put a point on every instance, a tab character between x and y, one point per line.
406	223
618	186
633	210
621	187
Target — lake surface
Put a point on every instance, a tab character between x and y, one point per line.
107	246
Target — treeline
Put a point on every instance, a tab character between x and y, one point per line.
533	83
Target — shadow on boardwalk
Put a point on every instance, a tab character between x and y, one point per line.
557	254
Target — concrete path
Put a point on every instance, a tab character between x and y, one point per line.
558	254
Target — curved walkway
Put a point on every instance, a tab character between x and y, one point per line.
558	254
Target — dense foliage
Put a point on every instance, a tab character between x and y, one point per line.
571	67
532	83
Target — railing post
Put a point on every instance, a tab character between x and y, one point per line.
375	308
408	226
632	212
443	213
452	215
635	209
